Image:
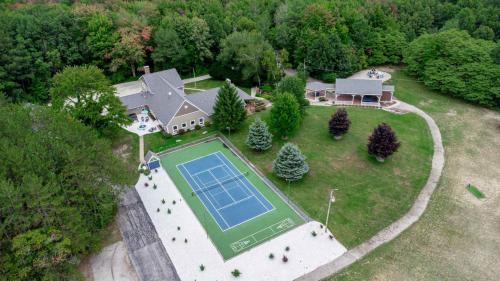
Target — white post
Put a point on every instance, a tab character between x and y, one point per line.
330	201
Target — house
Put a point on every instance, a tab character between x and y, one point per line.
162	95
351	92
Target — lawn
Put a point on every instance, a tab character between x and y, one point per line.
208	84
370	195
457	237
228	213
157	142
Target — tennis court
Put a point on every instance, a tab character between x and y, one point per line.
225	192
230	200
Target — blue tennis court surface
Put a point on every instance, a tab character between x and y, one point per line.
224	190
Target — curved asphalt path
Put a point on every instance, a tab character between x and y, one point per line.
397	227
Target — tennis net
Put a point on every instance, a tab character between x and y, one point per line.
220	183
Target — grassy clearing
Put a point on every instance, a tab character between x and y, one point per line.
126	146
208	84
457	237
371	195
157	142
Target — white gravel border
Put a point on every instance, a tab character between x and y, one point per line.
306	252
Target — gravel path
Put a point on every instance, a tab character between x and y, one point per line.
396	228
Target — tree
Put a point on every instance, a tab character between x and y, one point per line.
290	164
128	51
285	115
229	109
59	183
259	138
85	93
339	123
244	57
295	86
383	142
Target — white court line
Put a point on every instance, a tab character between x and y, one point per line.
217	222
202	190
217	155
211	168
221	185
235	203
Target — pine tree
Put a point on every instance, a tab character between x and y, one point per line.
285	115
229	109
383	142
290	164
339	123
259	138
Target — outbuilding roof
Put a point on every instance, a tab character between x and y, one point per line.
319	86
358	86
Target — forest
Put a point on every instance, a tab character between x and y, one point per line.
249	41
59	179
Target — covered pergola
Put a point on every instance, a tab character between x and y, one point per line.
315	90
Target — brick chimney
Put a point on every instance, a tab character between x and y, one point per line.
146	69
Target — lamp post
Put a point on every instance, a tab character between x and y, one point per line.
331	199
229	130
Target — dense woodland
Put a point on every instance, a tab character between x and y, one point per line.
248	41
58	177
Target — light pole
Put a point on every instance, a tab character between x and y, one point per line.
229	130
331	199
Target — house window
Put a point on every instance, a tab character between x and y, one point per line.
192	122
201	121
175	128
183	125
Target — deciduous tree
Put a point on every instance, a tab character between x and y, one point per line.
339	123
383	142
285	115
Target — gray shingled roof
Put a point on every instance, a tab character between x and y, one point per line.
358	86
149	155
319	86
206	100
388	88
164	99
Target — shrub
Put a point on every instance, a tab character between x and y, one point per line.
173	238
208	124
150	177
163	201
154	186
181	132
284	259
202	267
323	99
146	184
236	273
169	211
147	172
197	127
158	210
313	233
173	202
271	256
185	240
178	228
287	248
166	135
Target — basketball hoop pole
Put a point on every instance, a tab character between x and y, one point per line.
331	199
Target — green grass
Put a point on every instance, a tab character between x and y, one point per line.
223	239
371	195
208	84
157	142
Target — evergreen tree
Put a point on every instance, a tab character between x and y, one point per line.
295	86
229	109
290	164
339	123
285	115
259	138
383	142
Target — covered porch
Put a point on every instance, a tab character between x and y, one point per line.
357	99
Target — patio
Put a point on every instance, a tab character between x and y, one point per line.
143	124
